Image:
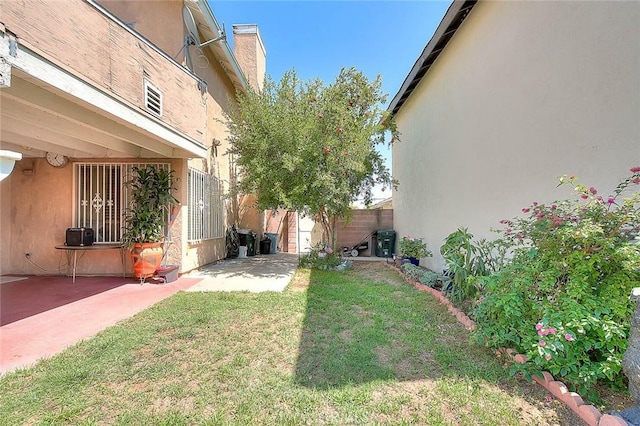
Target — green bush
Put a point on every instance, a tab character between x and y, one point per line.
313	260
467	259
563	300
422	275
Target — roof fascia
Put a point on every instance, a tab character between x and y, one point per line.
212	22
446	29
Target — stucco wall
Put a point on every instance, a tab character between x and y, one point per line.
524	92
89	45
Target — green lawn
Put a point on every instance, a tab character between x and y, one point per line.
360	347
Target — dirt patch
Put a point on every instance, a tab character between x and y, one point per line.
300	280
376	271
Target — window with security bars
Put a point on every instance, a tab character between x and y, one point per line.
101	197
206	215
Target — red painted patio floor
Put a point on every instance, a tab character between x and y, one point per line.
43	315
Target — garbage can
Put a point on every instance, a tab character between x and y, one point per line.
242	236
265	245
386	241
251	244
274	242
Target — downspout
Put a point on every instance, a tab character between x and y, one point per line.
298	233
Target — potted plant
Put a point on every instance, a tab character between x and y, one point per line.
150	200
413	249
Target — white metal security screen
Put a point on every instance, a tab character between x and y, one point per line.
101	197
206	216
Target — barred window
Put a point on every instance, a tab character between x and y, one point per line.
206	216
101	198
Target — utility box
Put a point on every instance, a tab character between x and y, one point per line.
385	242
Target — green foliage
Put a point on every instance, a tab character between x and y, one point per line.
564	298
318	258
413	247
422	275
309	147
151	196
466	260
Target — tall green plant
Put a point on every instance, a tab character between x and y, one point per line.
150	199
465	260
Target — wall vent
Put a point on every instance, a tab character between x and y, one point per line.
152	99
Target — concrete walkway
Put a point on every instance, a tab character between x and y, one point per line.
48	331
269	272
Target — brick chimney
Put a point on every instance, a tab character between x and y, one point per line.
250	53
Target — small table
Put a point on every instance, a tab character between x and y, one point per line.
72	252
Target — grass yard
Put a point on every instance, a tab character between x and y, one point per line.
357	347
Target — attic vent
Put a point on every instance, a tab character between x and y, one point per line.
152	99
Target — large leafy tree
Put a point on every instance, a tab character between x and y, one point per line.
311	148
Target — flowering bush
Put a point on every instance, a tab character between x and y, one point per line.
563	300
413	247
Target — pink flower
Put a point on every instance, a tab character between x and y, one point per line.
539	326
600	198
547	357
635	169
584	196
508	230
525	210
568	337
551	330
535	203
636	180
610	200
593	190
542	343
541	333
553	206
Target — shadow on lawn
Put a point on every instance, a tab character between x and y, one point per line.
361	330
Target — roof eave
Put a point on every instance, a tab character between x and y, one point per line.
450	23
208	25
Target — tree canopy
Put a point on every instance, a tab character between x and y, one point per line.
309	147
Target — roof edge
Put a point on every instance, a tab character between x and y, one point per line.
450	23
212	22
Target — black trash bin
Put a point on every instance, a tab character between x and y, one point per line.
265	246
386	241
251	244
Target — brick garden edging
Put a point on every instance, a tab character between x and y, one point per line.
590	414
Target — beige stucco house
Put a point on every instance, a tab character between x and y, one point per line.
99	86
505	98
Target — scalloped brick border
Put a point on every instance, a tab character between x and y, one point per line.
590	414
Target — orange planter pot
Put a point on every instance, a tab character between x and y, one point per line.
146	258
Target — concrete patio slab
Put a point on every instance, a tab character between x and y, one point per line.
255	274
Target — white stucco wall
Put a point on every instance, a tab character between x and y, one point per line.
523	93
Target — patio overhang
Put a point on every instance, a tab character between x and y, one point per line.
47	108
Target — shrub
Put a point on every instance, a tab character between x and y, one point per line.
413	247
563	300
422	275
466	259
318	258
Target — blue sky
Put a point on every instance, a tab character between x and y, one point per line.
318	38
